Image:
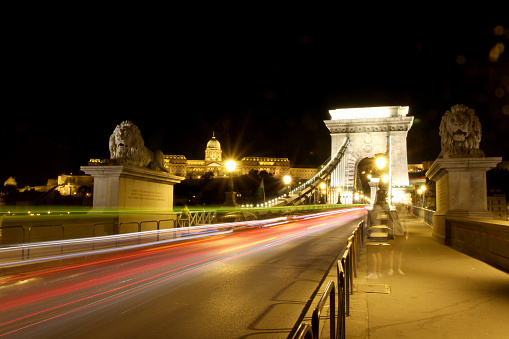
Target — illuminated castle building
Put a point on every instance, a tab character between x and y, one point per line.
213	162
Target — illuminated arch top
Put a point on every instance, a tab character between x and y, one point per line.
372	130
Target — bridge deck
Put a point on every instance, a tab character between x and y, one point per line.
443	294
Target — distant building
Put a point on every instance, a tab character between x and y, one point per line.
11	182
413	168
278	167
214	162
194	169
504	165
69	184
302	173
497	204
176	164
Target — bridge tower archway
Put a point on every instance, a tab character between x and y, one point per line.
371	130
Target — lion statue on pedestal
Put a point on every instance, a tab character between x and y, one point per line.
461	132
128	148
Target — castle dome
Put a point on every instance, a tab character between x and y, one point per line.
213	143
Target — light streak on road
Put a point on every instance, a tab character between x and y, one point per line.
32	301
309	228
247	245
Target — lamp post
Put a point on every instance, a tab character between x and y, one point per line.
381	162
423	192
287	180
339	195
230	196
322	186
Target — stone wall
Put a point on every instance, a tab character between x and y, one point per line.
487	240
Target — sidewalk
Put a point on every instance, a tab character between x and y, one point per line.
443	294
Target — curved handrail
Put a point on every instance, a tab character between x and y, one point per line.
303	332
329	166
330	291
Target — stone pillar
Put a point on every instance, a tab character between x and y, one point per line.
373	185
137	192
461	190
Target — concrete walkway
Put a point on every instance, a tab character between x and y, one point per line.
442	294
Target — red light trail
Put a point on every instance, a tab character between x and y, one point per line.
26	303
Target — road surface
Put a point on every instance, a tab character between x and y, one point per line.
244	284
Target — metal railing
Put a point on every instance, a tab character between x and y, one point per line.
312	184
341	302
303	332
113	235
116	229
423	214
330	291
346	270
30	231
196	218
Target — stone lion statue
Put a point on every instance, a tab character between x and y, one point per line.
128	148
461	132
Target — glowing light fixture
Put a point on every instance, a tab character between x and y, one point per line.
368	112
381	161
287	179
231	165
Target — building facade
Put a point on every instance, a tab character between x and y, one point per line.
497	205
278	167
213	162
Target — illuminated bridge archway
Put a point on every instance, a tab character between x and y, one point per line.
356	134
370	131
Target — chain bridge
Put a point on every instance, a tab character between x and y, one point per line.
357	134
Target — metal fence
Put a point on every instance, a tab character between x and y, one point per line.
424	214
346	270
196	218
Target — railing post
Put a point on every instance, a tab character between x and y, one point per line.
315	320
341	302
22	239
346	264
29	232
304	331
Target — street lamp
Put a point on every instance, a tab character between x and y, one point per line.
381	162
423	189
287	180
322	186
230	196
339	195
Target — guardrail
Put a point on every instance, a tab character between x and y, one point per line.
346	270
423	214
30	231
116	229
12	254
329	291
196	218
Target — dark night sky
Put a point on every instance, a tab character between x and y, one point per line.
262	78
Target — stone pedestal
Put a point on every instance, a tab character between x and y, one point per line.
461	190
230	199
132	192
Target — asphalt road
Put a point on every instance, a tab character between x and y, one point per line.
246	284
